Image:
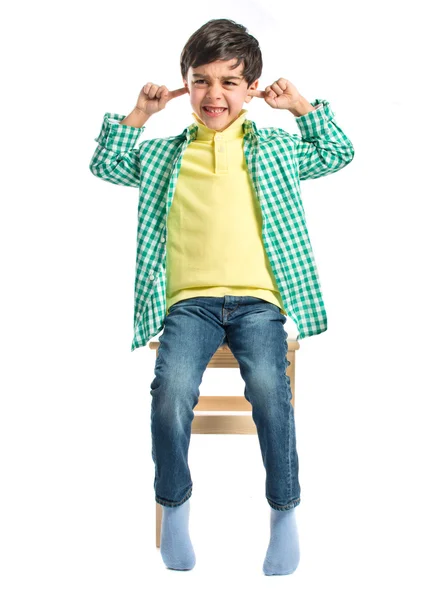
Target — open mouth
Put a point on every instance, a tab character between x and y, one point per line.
213	113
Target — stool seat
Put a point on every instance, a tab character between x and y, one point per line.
207	417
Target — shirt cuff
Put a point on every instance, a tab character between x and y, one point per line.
116	137
315	123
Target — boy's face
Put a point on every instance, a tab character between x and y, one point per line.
217	85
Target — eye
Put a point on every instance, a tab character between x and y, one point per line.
199	80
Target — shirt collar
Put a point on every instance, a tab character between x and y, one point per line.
239	128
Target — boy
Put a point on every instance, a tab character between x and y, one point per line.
223	255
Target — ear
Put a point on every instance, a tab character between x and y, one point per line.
253	86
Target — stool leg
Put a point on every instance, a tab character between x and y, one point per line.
158	524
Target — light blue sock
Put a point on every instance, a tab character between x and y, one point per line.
283	553
176	547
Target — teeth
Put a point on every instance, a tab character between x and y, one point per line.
215	110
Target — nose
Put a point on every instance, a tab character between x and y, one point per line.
214	90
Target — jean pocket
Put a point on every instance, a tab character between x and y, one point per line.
271	305
178	303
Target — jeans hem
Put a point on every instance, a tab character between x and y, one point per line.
167	503
291	504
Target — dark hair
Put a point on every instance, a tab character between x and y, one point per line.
222	39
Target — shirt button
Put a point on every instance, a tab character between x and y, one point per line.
151	276
163	239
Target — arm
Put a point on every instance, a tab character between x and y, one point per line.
117	156
322	148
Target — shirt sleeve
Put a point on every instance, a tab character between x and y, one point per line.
117	156
323	147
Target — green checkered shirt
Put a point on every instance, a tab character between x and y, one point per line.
276	161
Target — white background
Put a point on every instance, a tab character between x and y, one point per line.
77	513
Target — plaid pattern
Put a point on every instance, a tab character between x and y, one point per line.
276	161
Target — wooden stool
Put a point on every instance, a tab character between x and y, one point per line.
224	359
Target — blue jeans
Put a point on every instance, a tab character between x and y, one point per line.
193	331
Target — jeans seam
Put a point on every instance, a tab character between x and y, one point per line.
171	504
288	506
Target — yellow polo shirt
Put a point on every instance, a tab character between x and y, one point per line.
214	242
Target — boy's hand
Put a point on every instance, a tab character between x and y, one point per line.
153	98
281	94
